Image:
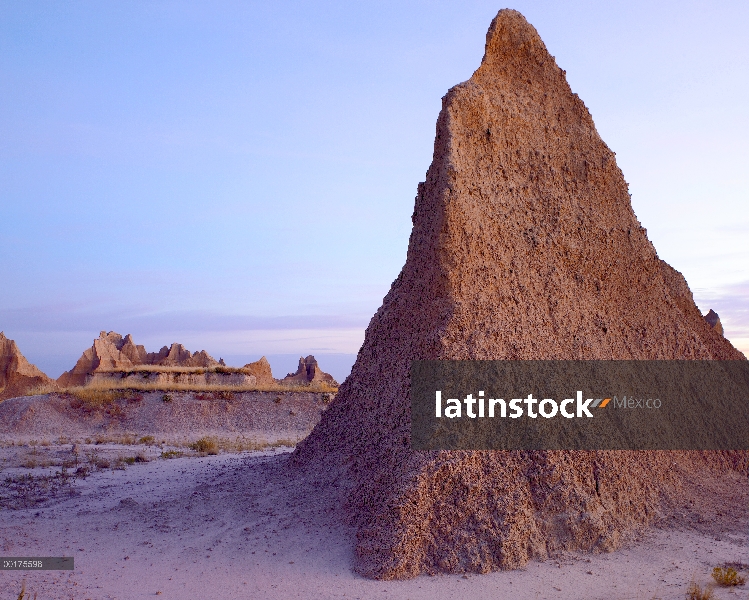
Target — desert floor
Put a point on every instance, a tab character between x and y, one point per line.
236	526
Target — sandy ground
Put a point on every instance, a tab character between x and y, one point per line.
236	526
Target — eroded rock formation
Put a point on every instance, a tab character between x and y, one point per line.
261	370
112	352
524	246
18	375
713	320
309	371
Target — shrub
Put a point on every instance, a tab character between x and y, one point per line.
728	576
695	592
147	439
205	445
171	454
167	397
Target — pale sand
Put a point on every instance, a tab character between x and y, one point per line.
234	526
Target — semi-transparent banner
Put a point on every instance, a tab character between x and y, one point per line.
580	405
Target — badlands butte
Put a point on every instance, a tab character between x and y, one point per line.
524	246
118	390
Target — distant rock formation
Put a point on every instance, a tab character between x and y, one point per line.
112	352
308	372
18	375
261	370
524	246
713	320
178	356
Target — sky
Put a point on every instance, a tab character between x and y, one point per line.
239	176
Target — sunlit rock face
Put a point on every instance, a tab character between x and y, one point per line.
17	375
112	352
524	246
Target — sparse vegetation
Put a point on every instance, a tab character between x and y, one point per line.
40	390
23	595
138	458
95	399
727	576
245	445
148	369
696	592
148	440
25	491
172	454
104	391
205	445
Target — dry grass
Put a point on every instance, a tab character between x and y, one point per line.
91	400
727	576
172	454
23	595
205	445
27	491
41	390
147	369
105	389
696	592
244	445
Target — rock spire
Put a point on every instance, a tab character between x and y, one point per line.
17	375
524	246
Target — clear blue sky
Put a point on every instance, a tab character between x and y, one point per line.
239	176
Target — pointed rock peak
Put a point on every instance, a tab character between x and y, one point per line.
509	37
111	337
524	247
17	375
261	370
309	371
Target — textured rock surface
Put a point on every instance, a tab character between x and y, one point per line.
524	246
189	415
309	371
713	320
112	352
18	375
261	370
